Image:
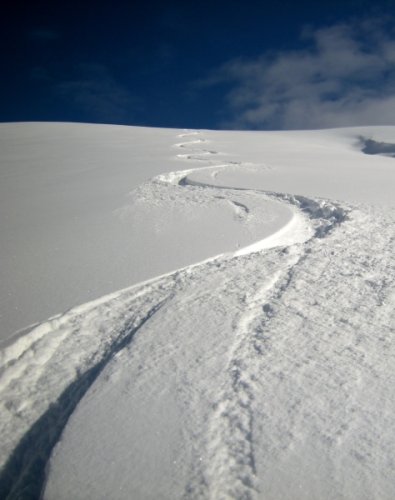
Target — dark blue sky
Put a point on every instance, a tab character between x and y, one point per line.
170	63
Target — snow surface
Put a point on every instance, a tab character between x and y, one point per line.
255	361
79	216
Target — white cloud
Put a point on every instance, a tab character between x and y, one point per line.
345	76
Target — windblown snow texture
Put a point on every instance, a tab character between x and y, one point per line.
263	372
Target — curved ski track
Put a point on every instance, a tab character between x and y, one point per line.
289	335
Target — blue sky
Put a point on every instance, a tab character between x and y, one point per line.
218	64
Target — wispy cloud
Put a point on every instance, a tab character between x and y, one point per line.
95	93
344	76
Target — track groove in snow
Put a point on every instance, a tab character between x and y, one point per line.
233	471
267	365
227	446
52	392
41	355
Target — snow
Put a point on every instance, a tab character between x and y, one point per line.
252	355
74	225
323	163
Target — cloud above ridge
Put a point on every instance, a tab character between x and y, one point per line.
344	76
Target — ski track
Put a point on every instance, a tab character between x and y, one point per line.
293	288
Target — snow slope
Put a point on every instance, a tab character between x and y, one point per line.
79	219
324	163
264	371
